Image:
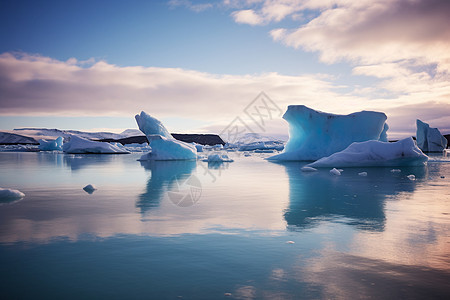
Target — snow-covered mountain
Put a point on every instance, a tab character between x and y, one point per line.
33	135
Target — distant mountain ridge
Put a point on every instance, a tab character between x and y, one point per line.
128	136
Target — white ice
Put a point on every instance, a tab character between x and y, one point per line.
335	171
255	141
164	146
151	126
10	194
78	145
314	134
45	145
169	149
429	139
375	153
218	158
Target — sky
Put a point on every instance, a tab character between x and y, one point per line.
197	65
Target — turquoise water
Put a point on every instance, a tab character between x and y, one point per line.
250	229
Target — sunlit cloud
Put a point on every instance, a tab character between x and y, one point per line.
404	44
36	85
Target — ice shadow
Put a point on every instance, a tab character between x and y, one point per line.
350	198
165	175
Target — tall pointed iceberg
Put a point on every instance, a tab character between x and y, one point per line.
315	134
164	146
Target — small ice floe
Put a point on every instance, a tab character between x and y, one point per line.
218	158
9	195
362	174
290	242
411	177
396	171
335	171
89	188
308	169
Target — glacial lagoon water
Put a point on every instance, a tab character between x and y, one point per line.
250	229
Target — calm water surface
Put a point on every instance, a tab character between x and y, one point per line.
250	229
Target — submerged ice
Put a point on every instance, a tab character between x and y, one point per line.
164	146
375	153
315	134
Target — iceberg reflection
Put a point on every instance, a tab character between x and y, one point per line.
165	177
349	198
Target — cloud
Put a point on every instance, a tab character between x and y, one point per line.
247	16
367	32
37	85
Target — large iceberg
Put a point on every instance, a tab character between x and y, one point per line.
315	134
374	154
151	126
429	139
45	145
78	145
164	146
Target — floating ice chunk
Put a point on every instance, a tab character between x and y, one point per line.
78	145
199	147
308	169
411	177
218	158
396	171
362	174
7	195
45	145
335	171
151	126
89	189
429	139
375	153
169	149
164	146
314	134
262	145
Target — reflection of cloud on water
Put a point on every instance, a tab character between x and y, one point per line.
354	200
165	177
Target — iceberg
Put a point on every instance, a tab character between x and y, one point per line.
375	154
45	145
168	149
151	126
7	195
216	158
164	146
315	134
90	189
78	145
429	139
